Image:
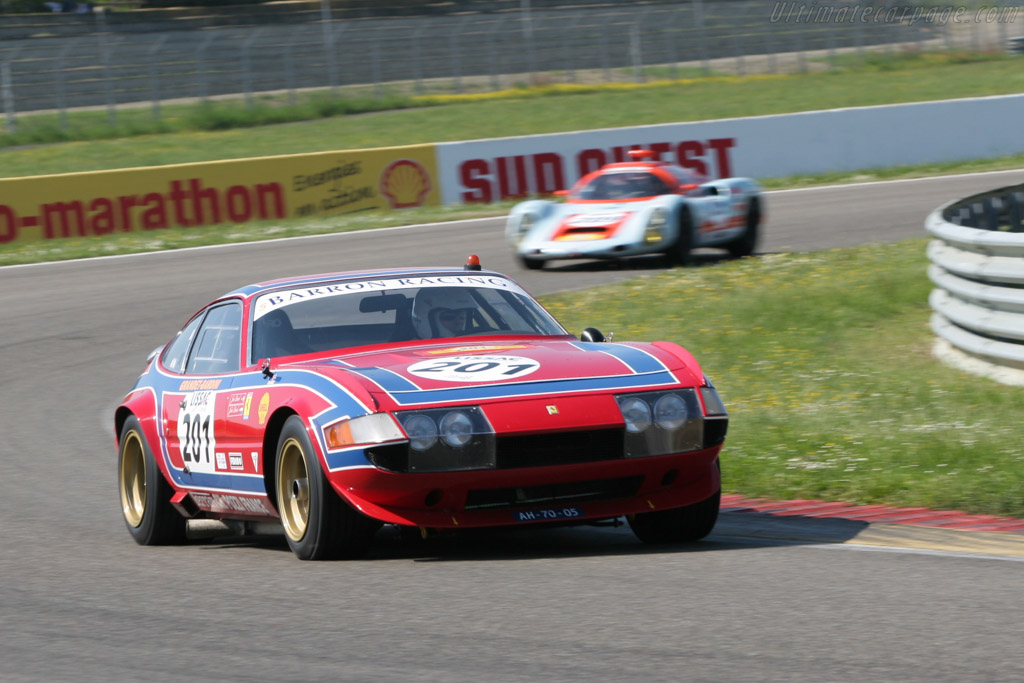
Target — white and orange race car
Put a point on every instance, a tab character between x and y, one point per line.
638	207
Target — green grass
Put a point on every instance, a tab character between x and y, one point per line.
824	362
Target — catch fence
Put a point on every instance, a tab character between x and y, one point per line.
112	60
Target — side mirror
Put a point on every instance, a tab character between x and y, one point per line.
154	353
560	193
592	334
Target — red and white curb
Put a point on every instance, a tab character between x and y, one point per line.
872	514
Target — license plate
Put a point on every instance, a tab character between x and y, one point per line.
547	514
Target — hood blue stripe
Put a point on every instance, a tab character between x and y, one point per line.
545	388
388	380
637	360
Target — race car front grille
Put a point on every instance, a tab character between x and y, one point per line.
559	448
562	494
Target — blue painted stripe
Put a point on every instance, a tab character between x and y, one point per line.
637	360
388	380
225	482
342	402
545	388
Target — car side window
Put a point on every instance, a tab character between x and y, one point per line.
218	342
174	355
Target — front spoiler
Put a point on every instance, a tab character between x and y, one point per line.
597	249
437	500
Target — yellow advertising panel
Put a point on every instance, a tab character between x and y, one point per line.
218	192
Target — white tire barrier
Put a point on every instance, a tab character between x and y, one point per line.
977	267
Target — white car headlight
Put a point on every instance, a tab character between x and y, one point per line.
456	429
661	422
422	432
655	231
670	411
636	412
526	222
447	440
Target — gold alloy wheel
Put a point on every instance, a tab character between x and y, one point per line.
293	490
133	479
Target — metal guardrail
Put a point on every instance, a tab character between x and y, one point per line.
977	266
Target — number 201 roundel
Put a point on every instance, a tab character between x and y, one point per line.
474	368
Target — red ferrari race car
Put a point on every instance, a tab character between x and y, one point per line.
638	207
437	398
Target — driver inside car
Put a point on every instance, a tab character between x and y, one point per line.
442	312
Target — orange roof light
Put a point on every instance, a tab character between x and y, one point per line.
472	263
641	154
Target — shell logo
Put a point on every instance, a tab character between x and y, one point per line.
405	183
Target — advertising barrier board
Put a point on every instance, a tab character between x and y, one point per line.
211	193
853	139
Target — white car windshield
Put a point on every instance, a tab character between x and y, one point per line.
339	315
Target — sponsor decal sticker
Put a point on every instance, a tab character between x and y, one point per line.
236	404
264	408
199	385
594	220
477	369
274	300
235	461
405	183
470	349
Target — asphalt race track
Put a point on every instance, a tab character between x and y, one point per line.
79	601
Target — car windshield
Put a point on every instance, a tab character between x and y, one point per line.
339	315
621	185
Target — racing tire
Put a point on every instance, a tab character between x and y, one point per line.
531	263
145	494
679	253
318	524
747	242
678	525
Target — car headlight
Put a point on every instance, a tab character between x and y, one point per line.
670	411
526	222
422	432
636	412
661	422
446	439
456	429
655	231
